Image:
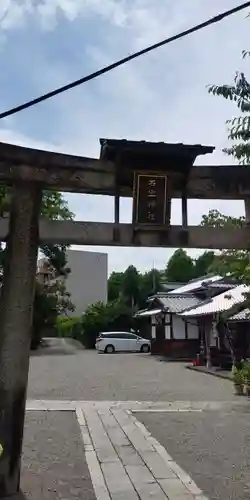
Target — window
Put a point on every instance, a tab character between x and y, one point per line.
130	336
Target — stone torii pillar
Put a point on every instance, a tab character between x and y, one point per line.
16	307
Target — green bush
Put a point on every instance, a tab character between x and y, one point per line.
246	373
69	327
97	318
102	317
238	376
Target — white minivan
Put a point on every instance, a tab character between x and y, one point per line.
110	342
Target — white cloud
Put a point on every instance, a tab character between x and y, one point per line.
13	13
11	136
150	20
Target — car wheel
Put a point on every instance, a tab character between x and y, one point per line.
145	348
109	349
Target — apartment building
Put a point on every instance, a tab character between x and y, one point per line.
87	282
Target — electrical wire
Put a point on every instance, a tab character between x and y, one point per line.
129	58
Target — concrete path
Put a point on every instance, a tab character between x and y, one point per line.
86	437
124	460
63	372
211	445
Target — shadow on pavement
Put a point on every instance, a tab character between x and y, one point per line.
58	347
19	496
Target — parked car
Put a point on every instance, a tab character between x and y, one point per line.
110	342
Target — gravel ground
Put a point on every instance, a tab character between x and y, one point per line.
213	447
54	465
67	372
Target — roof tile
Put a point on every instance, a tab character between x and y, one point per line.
176	303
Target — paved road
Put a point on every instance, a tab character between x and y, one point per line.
66	371
212	446
54	464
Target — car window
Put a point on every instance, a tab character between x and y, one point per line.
130	336
114	335
123	335
118	335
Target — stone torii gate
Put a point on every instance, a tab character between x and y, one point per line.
151	173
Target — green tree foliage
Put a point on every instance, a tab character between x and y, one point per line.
131	286
203	264
48	303
180	267
134	288
239	126
150	283
102	317
114	286
215	219
232	261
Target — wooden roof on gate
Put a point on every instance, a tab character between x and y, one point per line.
154	155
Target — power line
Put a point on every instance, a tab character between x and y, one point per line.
129	58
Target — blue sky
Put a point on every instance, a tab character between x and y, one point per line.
160	97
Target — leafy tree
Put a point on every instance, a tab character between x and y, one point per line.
233	262
180	267
48	303
215	219
115	285
150	283
238	127
131	286
203	264
102	317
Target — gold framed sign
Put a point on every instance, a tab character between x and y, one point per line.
150	199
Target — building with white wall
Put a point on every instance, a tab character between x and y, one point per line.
87	281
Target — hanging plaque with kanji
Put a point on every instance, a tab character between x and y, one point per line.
150	199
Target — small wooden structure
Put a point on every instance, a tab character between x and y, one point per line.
171	335
178	336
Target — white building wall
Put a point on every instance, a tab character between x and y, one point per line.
193	329
178	328
88	280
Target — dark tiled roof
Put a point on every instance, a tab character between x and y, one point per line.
222	286
241	316
177	303
111	146
170	285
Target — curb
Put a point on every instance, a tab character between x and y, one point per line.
208	372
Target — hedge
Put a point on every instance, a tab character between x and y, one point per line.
97	318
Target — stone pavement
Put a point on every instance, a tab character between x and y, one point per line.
94	408
213	446
54	463
61	372
124	460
